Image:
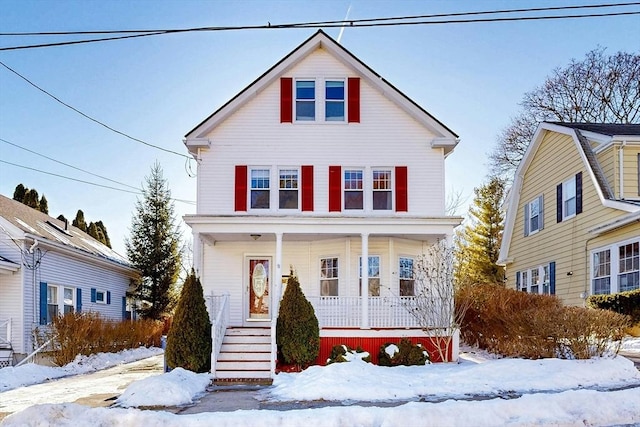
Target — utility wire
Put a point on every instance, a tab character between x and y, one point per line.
89	117
70	166
139	192
315	23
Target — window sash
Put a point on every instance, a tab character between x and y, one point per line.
406	277
534	215
535	281
374	276
334	100
569	198
329	277
353	189
629	267
382	190
260	185
305	100
288	195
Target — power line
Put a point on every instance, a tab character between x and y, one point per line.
68	165
89	117
139	192
149	32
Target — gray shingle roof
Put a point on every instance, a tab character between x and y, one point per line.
609	129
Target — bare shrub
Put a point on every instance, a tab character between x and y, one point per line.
514	323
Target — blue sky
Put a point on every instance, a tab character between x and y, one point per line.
469	76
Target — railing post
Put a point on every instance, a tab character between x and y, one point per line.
364	289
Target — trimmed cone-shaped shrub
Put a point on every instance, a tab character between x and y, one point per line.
189	339
297	330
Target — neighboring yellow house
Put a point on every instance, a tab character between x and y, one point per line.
572	226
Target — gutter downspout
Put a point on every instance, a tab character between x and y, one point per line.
36	319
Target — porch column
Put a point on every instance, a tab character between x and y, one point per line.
277	286
364	289
197	254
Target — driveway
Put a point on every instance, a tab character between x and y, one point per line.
96	389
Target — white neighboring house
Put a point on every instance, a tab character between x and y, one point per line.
318	164
49	268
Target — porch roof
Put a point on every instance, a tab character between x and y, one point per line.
217	228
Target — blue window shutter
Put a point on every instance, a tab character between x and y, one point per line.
93	294
552	277
578	193
43	303
124	308
78	300
559	203
108	297
526	219
541	212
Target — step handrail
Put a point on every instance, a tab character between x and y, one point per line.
33	354
218	329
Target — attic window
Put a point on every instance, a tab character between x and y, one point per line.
305	100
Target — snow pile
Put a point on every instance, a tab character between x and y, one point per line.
31	373
178	387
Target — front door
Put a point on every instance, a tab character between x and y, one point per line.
257	290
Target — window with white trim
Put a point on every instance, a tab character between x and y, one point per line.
101	297
305	100
288	194
334	101
353	189
382	190
329	277
260	186
60	301
406	277
569	198
534	286
616	268
537	280
533	216
374	276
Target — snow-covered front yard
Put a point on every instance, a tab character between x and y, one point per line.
480	390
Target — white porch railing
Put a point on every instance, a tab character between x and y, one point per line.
5	333
218	307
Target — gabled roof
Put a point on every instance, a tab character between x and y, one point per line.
23	221
603	131
446	137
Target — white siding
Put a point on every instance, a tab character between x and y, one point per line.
386	137
11	295
224	265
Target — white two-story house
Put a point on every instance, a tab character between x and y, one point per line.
317	165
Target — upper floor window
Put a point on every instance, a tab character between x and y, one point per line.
288	193
353	189
260	189
374	276
533	216
407	280
334	100
305	100
382	193
329	277
569	198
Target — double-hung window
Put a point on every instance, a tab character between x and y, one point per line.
60	301
353	189
629	270
535	281
260	189
407	280
382	190
329	277
305	100
374	276
601	274
334	101
533	216
569	198
288	193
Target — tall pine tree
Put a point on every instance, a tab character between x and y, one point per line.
478	243
153	247
43	205
79	221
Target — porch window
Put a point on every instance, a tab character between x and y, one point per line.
260	189
374	276
602	272
288	189
407	280
353	189
629	277
329	277
382	194
305	100
334	101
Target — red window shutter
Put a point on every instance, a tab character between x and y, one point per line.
402	204
241	189
353	99
286	100
307	188
335	188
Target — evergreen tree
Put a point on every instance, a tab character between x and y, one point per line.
20	192
297	330
94	231
153	247
478	244
31	199
189	339
43	205
103	228
79	221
